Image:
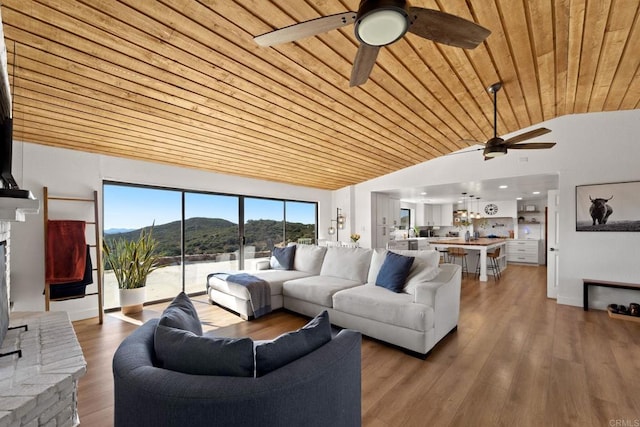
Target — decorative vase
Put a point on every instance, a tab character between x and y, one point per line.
467	236
131	300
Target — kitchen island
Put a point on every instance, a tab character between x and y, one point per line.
413	243
482	244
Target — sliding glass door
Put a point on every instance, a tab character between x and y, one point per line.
211	237
263	228
301	222
129	209
200	233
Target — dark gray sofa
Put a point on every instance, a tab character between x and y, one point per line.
322	388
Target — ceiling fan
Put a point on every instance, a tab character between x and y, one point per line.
497	146
382	22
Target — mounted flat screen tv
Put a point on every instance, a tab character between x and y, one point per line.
9	187
6	153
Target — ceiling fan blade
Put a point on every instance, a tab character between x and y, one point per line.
472	141
453	153
445	28
526	135
532	146
306	29
363	64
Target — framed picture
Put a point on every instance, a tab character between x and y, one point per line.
608	207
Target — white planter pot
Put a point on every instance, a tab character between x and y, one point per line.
131	300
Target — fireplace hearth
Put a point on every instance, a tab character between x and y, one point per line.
41	387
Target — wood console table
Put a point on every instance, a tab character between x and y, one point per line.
605	284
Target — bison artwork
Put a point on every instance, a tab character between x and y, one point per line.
600	210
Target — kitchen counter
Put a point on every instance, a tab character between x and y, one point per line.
409	243
483	241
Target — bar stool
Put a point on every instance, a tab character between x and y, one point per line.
443	255
492	263
454	253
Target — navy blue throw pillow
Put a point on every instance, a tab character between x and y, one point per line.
186	352
271	355
181	314
282	258
394	271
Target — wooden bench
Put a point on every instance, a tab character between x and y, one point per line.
605	284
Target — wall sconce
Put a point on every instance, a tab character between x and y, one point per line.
340	220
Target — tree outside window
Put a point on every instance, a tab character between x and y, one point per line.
405	218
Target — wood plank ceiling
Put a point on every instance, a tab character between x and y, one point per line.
181	82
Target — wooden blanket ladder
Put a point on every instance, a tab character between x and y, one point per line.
95	248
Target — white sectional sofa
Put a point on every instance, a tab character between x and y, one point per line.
342	281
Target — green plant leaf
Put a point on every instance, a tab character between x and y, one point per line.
132	261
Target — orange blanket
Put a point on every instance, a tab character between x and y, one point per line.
66	251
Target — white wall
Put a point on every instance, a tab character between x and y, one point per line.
344	200
75	173
592	148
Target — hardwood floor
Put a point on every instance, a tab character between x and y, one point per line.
517	359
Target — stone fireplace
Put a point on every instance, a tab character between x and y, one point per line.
11	210
38	387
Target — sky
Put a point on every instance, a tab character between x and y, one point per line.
136	207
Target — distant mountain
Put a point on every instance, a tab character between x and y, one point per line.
216	235
118	230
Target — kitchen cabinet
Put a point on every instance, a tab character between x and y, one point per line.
387	210
381	209
381	237
382	223
436	215
427	215
394	212
446	214
523	250
384	218
398	244
421	243
439	215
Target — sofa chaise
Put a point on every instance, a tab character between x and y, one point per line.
343	282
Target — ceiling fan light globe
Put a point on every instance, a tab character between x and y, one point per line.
381	27
495	151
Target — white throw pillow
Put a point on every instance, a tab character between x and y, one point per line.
346	263
309	258
377	259
426	266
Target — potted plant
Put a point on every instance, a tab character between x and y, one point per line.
131	261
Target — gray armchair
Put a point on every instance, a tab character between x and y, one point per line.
320	389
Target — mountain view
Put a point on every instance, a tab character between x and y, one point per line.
117	230
215	235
